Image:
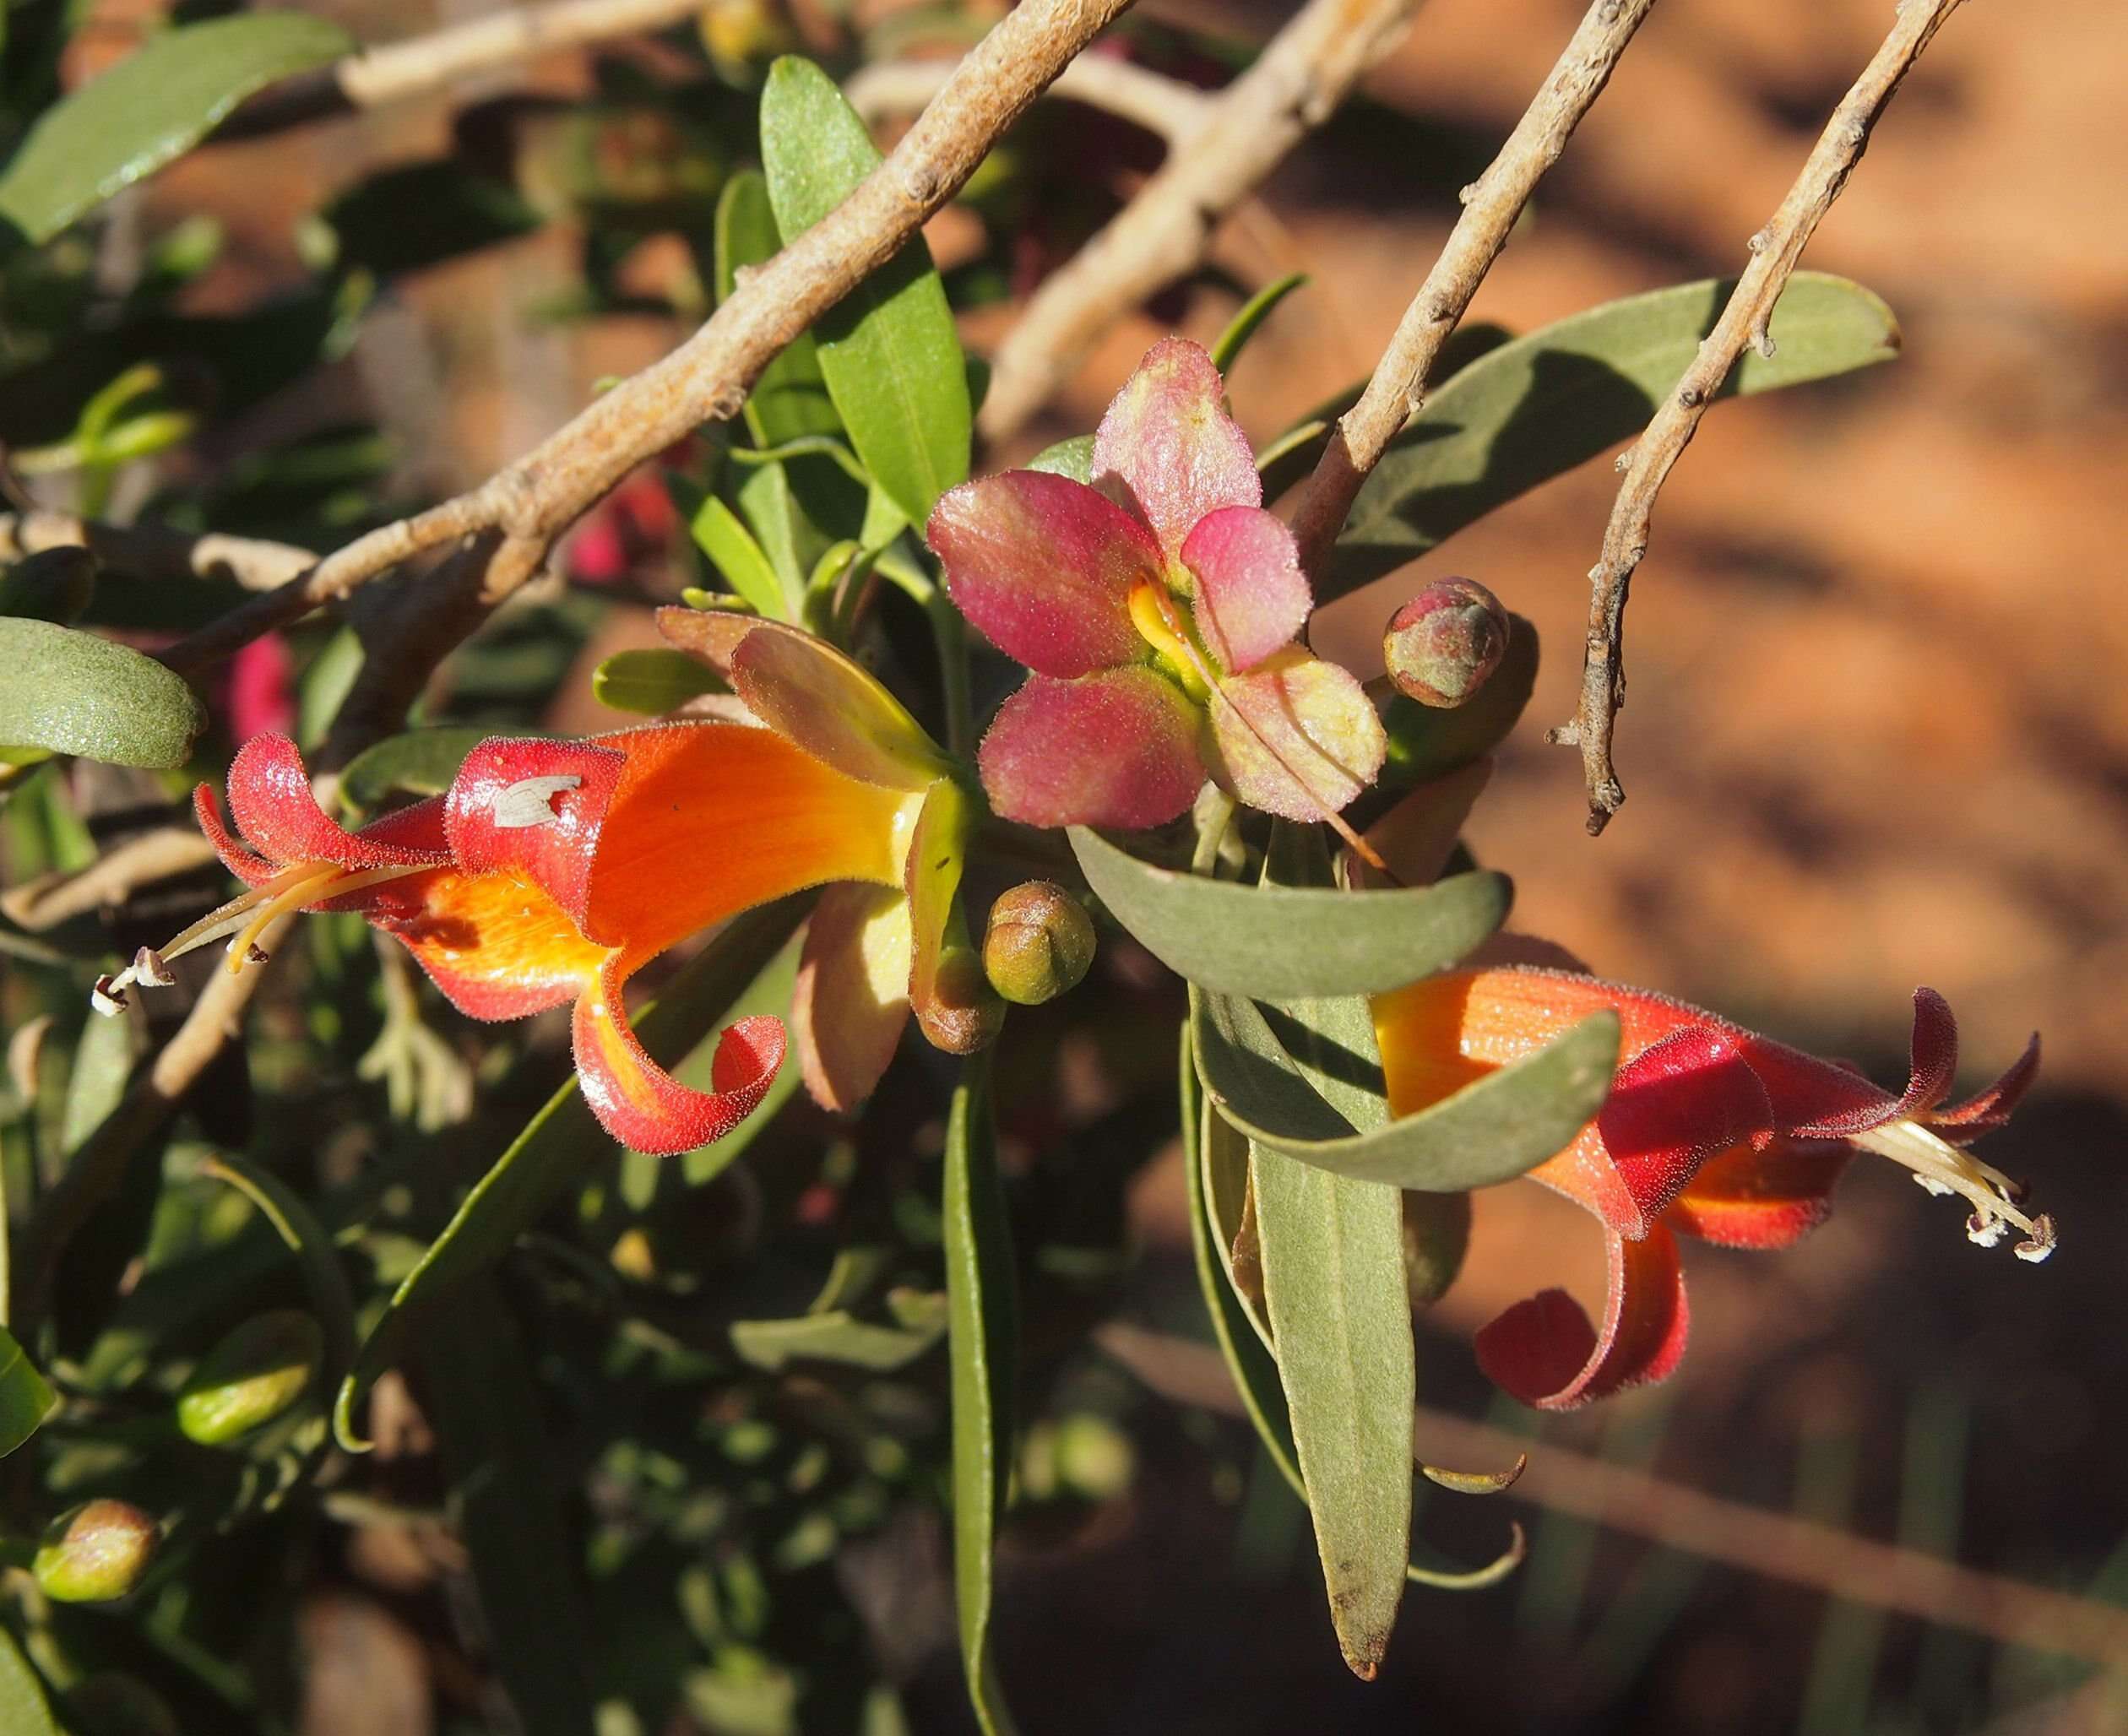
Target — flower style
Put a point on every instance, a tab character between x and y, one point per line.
552	871
1132	702
1710	1130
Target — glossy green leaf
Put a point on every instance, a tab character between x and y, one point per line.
1534	408
419	762
1253	313
834	1335
72	692
324	1279
1279	942
651	683
1334	1286
790	400
888	351
981	1307
153	107
746	568
493	1433
25	1399
550	1155
24	1709
1493	1130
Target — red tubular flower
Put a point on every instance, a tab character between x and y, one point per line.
1157	610
1710	1130
552	871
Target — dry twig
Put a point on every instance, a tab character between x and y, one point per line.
1242	135
1883	1576
108	881
1774	251
1491	204
1133	93
534	500
155	551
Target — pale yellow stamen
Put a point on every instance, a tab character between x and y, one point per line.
1941	1168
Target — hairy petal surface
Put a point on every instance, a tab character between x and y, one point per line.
1546	1353
270	799
1117	748
1252	599
1743	1198
1043	566
1295	736
1168	451
643	1105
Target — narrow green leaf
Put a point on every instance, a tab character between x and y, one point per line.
731	547
552	1151
1302	940
25	1399
24	1709
1534	408
836	1336
651	683
1073	458
153	107
1334	1285
790	400
481	1397
1493	1130
103	1063
981	1313
771	511
1253	313
889	351
72	692
419	762
297	1226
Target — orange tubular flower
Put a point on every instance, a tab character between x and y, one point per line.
1710	1130
552	872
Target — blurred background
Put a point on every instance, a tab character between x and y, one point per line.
1876	737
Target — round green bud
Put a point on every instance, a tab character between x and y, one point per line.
1039	943
1442	646
251	1377
99	1551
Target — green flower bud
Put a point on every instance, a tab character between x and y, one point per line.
99	1551
251	1377
1039	943
1443	645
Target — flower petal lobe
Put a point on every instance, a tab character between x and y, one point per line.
1546	1353
1167	449
1117	748
1252	599
643	1105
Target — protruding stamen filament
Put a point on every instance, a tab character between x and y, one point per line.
1943	1168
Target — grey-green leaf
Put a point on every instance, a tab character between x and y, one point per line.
1299	940
1538	406
72	692
889	351
419	762
1493	1130
153	107
551	1154
981	1309
1335	1287
25	1398
650	683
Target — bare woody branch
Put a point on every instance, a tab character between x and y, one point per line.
705	379
155	551
1775	250
1491	205
1242	135
1133	93
107	882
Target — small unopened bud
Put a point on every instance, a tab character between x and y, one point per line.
962	1015
251	1377
1039	944
1443	645
99	1551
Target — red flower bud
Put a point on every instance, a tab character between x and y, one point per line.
1442	646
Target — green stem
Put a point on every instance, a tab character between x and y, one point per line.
949	633
1212	831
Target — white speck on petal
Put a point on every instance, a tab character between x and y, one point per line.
529	801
